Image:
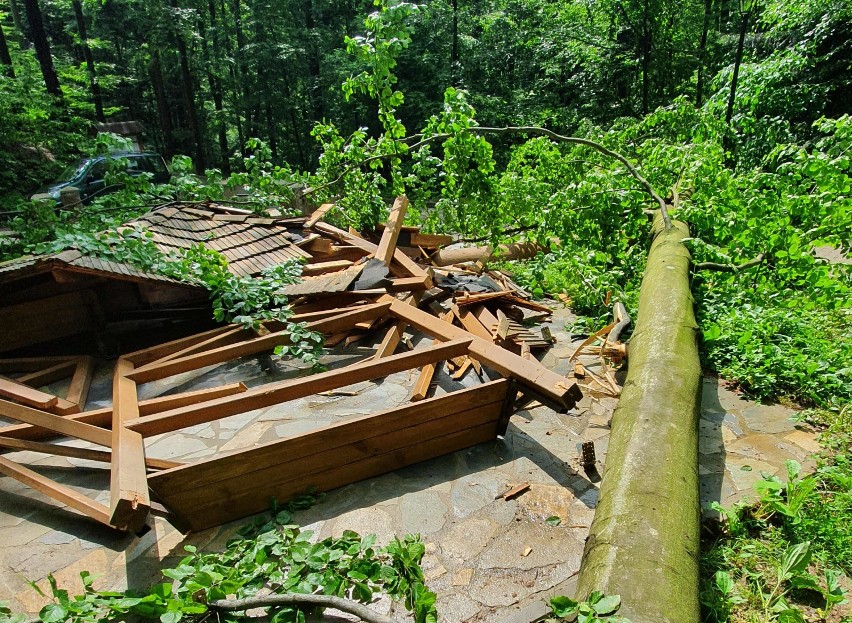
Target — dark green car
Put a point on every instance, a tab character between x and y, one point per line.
87	175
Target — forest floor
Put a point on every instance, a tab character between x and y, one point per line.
488	559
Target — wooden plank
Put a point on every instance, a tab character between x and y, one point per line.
152	353
237	463
55	423
387	244
471	323
58	492
409	284
78	391
51	374
282	391
77	453
154	371
324	284
236	334
402	266
317	215
334	477
531	374
345	320
391	340
26	395
103	417
321	268
241	489
30	364
429	241
128	487
421	388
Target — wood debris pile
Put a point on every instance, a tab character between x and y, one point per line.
355	288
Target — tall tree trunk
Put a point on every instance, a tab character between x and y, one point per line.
702	53
729	113
215	86
317	108
646	56
156	70
240	83
94	87
5	57
189	98
454	53
42	47
20	26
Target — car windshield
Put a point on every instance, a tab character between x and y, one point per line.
74	171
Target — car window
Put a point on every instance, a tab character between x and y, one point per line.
98	171
135	165
154	164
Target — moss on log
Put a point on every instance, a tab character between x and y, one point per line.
644	540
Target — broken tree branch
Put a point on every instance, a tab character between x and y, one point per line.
420	140
730	268
295	599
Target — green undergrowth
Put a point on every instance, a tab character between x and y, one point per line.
267	557
788	556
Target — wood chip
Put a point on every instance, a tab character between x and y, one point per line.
515	491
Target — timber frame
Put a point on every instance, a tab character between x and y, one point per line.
195	496
230	485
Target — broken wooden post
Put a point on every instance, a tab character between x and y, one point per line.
644	540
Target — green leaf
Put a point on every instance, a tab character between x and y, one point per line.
553	520
563	606
53	613
795	560
607	604
172	616
724	582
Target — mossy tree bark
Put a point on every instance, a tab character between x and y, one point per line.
644	540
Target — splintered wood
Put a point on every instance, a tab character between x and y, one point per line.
359	288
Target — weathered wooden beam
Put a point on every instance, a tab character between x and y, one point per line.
345	320
129	498
25	394
387	244
48	375
58	492
103	417
57	424
78	390
553	387
282	391
77	453
647	520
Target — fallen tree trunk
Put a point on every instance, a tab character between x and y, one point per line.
644	540
514	251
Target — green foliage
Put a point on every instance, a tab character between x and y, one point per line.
596	608
775	558
272	555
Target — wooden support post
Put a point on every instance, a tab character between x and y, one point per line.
129	499
387	245
78	391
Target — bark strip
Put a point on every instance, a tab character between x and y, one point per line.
644	540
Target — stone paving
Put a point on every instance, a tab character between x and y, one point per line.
488	559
